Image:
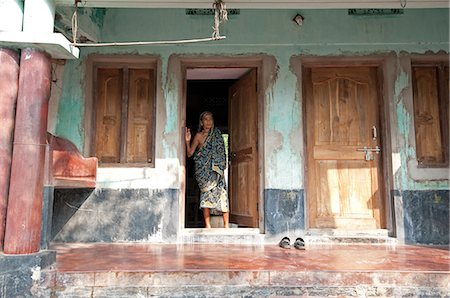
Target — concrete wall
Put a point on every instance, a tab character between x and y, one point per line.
273	34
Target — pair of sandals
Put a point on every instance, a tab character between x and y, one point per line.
298	244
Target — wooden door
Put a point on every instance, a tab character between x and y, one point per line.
344	190
243	125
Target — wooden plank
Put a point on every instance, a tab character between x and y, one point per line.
139	115
427	118
109	109
243	144
346	152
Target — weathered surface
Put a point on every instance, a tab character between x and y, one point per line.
47	215
426	216
69	168
9	84
284	212
23	229
146	270
111	215
23	276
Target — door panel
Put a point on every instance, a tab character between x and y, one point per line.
139	111
244	189
109	109
341	115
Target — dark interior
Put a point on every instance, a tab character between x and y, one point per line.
202	95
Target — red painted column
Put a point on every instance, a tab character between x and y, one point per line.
24	212
9	83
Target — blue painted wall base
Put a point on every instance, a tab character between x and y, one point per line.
426	217
284	212
16	272
113	215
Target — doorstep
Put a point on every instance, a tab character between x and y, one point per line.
221	235
339	236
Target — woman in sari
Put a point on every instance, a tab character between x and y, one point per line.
208	150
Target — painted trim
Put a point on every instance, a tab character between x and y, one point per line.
299	4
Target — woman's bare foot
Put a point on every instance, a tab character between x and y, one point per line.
206	216
226	222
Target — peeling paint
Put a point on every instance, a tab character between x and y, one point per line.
36	273
71	105
401	83
250	33
97	16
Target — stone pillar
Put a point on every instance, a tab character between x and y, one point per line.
9	83
24	216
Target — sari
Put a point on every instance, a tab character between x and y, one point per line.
210	163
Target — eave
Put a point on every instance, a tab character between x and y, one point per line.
261	4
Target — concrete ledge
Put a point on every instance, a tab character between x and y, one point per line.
55	44
237	283
426	174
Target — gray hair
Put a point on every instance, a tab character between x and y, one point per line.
202	115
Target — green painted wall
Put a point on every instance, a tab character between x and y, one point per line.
269	32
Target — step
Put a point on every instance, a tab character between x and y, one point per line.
210	270
335	236
223	236
237	283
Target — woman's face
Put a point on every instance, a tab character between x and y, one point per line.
207	121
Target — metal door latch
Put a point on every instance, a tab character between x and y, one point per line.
368	152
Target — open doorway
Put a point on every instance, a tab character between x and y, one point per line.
230	94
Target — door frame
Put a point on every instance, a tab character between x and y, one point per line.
385	65
265	65
93	62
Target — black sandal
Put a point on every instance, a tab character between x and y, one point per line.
299	243
285	243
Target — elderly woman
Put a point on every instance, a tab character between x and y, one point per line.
208	150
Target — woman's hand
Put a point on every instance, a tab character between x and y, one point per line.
188	135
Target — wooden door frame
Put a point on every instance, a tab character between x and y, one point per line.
179	65
385	71
93	62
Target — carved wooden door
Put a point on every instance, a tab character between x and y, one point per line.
109	114
344	184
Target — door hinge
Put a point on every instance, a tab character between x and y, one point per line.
257	207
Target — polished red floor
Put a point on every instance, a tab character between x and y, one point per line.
191	257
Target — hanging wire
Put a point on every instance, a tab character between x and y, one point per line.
144	43
403	3
220	15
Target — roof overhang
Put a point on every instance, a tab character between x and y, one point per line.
261	4
55	44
